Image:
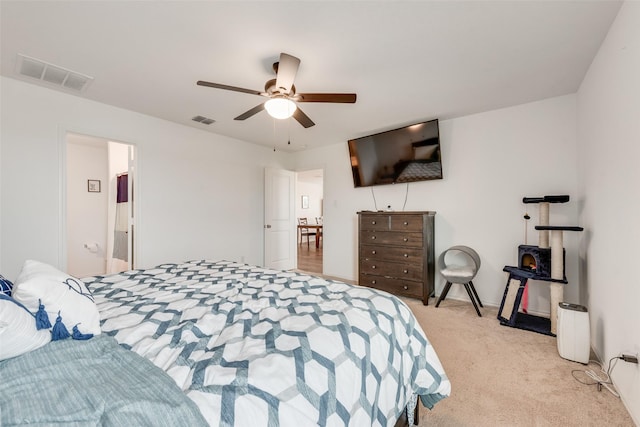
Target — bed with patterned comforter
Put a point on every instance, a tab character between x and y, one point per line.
258	347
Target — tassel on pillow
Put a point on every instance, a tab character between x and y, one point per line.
42	318
59	331
77	335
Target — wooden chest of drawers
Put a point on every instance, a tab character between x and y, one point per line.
396	252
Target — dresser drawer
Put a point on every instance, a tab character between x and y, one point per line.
406	223
374	222
393	286
391	269
392	253
410	239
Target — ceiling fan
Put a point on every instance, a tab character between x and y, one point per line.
282	94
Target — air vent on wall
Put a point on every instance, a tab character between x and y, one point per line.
203	120
52	74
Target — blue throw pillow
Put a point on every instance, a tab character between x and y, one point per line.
5	286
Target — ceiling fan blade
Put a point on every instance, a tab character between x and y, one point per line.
302	118
348	98
253	111
227	87
287	70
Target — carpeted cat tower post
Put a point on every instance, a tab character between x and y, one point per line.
545	262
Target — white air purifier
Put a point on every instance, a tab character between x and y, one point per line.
573	334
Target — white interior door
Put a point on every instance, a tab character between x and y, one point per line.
279	219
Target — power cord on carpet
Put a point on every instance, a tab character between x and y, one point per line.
601	379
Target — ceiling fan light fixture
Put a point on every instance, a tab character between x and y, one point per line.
280	107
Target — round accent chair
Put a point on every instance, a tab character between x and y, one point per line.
462	274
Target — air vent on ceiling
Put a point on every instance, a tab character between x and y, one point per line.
52	74
203	120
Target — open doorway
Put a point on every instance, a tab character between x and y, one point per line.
99	205
309	199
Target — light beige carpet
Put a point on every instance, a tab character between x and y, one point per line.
501	376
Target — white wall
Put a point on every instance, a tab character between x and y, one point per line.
200	194
311	187
490	162
609	149
86	211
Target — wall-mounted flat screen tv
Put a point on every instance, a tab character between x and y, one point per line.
408	154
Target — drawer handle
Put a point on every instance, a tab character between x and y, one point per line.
374	267
405	271
373	223
373	282
405	287
373	237
406	239
406	223
373	252
406	255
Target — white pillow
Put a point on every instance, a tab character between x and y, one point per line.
58	292
18	333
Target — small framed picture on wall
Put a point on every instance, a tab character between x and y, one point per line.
93	185
305	202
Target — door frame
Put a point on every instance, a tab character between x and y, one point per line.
63	131
322	209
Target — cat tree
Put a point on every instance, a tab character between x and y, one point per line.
545	262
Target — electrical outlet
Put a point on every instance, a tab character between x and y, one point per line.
629	358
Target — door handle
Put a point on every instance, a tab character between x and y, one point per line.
267	226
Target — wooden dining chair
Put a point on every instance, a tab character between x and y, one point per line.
319	222
305	232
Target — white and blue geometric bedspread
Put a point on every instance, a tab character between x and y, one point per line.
258	347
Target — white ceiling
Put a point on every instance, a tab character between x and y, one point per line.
407	61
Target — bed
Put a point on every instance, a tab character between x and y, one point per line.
251	346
